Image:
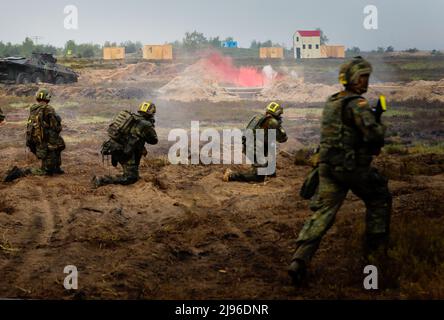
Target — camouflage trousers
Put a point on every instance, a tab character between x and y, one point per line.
130	174
51	162
367	184
250	175
50	165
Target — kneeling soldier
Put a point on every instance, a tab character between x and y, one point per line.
128	134
42	138
271	120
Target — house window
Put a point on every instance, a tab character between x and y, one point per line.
303	46
317	46
297	39
309	46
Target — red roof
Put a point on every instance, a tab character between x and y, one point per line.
309	33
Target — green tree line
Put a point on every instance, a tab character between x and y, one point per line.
71	48
25	48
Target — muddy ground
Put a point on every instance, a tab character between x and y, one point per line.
182	233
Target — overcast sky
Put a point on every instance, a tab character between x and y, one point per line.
402	23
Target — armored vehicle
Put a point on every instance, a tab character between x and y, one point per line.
40	67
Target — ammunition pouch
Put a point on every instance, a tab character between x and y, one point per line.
111	147
59	145
116	150
41	151
340	158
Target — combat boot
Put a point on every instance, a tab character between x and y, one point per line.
375	245
96	182
297	271
58	171
15	173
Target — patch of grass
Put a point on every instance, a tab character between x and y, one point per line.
416	257
422	65
156	162
19	105
5	245
417	148
413	266
303	113
396	149
93	119
398	113
423	148
19	122
74	140
419	103
67	105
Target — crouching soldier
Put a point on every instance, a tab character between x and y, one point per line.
128	134
271	120
42	138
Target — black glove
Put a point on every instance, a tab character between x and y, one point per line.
380	108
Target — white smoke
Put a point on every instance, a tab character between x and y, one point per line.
269	74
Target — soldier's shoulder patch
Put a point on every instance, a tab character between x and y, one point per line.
362	103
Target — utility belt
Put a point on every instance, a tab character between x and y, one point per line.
344	159
122	152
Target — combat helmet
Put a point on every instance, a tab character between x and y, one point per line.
350	71
147	107
275	109
43	95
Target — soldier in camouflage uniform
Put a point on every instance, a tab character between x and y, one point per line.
43	139
351	135
271	120
128	156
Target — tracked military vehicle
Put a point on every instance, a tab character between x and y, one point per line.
40	67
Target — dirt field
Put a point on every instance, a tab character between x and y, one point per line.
182	233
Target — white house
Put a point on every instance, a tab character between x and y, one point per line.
307	44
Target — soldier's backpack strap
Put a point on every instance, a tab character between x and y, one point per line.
35	129
349	155
345	102
256	122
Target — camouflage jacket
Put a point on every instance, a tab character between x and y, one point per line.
142	132
266	122
350	134
271	122
51	126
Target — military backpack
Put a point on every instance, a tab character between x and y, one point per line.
120	127
255	123
120	139
35	129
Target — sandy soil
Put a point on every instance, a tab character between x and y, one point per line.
180	232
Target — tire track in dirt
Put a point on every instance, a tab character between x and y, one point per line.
38	235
